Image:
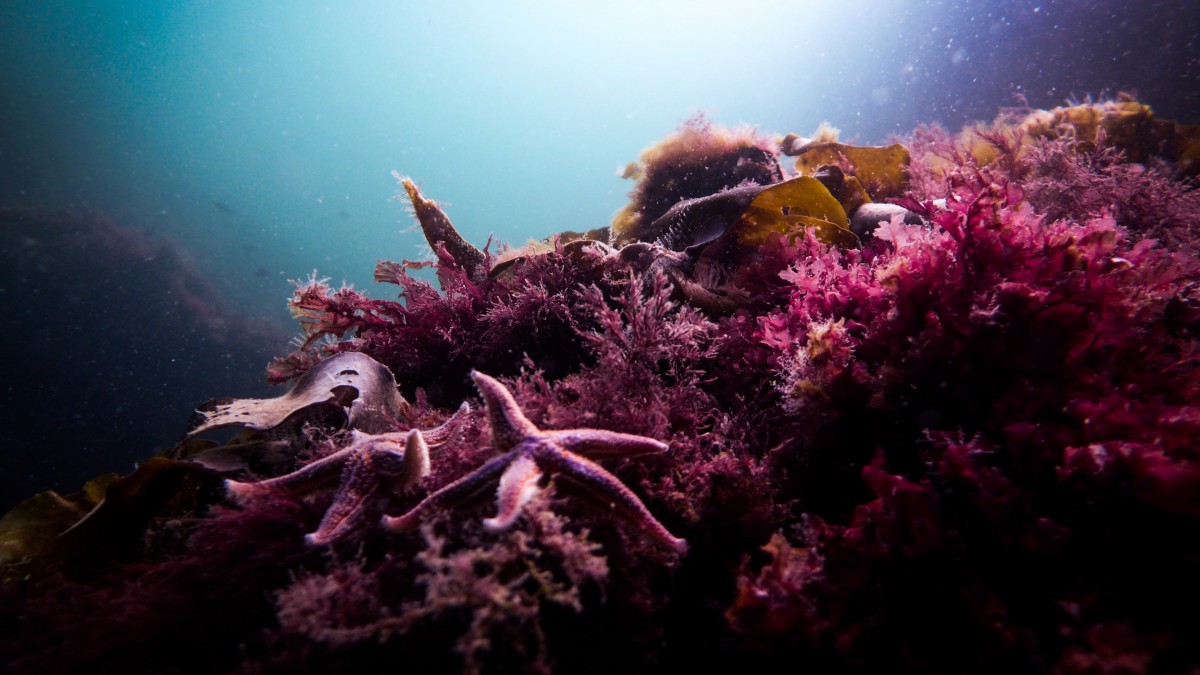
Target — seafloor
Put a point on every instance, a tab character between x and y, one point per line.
930	407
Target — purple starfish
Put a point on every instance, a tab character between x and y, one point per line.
370	467
528	451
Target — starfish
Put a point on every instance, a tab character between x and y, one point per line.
526	452
372	465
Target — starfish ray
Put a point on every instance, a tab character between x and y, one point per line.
526	452
372	465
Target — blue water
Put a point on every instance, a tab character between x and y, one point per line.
261	136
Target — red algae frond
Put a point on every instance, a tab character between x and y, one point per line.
440	232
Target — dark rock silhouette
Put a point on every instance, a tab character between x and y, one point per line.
112	338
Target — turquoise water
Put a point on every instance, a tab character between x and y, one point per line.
261	137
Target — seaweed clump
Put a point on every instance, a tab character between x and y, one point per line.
698	160
963	441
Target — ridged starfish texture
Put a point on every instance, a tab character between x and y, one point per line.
370	467
527	452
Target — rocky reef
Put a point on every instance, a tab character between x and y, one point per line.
112	331
928	407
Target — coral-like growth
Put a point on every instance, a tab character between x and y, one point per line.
433	340
1006	371
505	587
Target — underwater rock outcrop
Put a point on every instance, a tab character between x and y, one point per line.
112	330
955	436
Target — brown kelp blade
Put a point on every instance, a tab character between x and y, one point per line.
882	170
794	206
439	230
79	534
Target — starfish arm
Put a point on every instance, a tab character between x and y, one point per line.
609	491
518	485
604	444
442	433
461	490
304	479
360	483
416	458
510	426
399	458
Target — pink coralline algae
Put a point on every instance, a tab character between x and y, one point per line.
961	438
